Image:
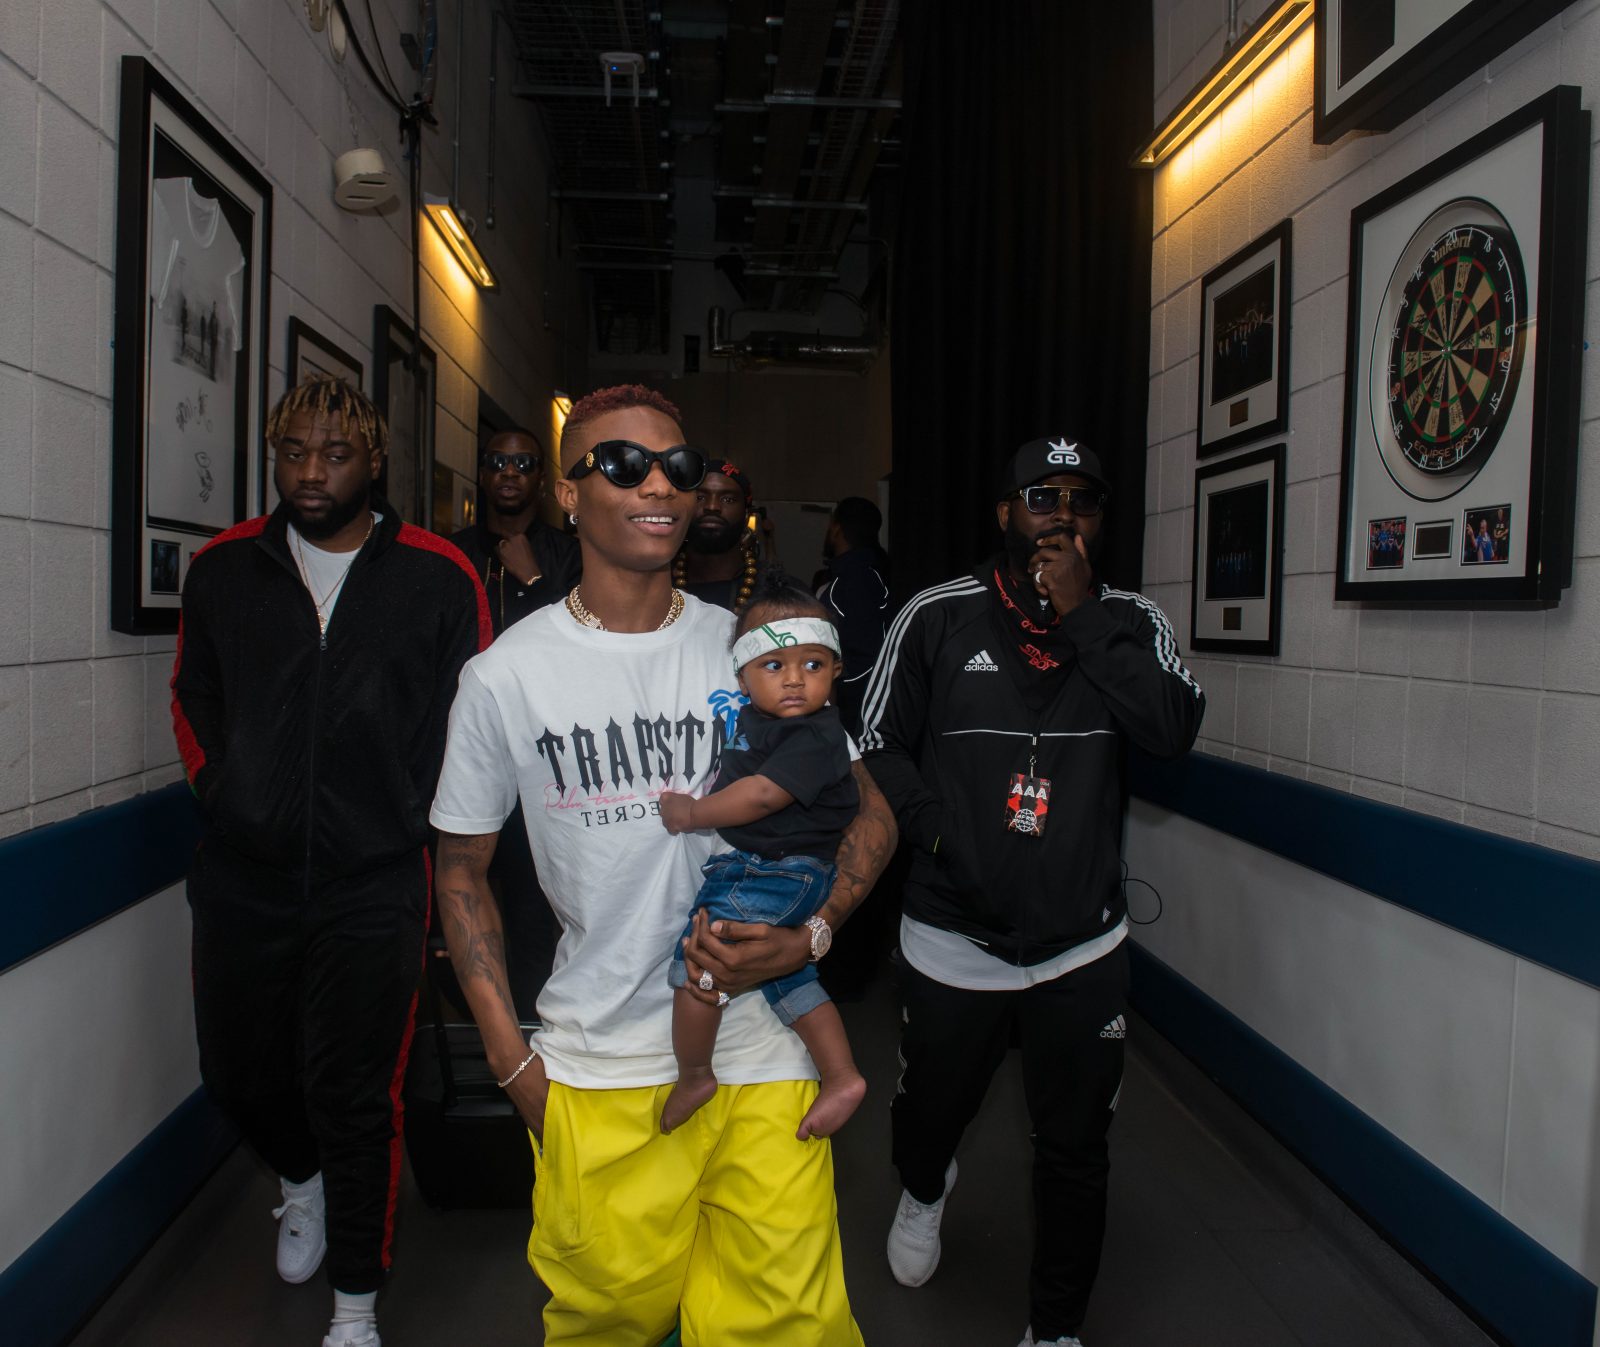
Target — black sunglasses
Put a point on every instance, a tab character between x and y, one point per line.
1084	500
627	464
526	464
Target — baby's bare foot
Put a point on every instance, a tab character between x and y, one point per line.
841	1094
687	1096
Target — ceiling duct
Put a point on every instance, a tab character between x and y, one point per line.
814	350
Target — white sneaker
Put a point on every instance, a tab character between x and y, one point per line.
1028	1340
302	1229
363	1334
914	1236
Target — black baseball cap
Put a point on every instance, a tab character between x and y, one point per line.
1038	459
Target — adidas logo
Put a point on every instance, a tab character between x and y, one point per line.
1118	1028
982	663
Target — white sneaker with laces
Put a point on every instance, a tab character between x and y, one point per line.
363	1334
914	1236
302	1229
1028	1340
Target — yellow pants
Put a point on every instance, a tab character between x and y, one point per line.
729	1222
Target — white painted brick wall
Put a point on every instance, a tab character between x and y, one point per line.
84	711
1492	718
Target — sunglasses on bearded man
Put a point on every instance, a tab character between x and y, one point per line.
1081	500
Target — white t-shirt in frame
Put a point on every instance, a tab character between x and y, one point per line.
589	727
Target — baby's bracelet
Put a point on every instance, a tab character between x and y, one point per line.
502	1084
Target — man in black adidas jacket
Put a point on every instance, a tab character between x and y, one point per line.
994	723
318	658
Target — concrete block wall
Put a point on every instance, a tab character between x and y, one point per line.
1483	1062
83	709
1491	719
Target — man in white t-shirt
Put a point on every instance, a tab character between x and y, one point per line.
588	710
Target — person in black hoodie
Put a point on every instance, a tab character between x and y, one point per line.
995	722
317	660
525	565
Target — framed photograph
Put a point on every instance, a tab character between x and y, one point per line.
1238	554
1463	362
1244	345
405	382
194	243
311	355
1386	544
1379	61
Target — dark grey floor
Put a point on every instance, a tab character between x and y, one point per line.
1216	1236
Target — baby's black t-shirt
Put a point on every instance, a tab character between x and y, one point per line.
808	756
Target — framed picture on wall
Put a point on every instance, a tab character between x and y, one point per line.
194	241
1238	554
1463	362
312	355
1380	61
1244	345
402	367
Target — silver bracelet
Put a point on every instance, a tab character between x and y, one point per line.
503	1083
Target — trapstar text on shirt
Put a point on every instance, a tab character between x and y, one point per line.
615	773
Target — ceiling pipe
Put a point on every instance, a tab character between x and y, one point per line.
815	350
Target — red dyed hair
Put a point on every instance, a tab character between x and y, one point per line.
615	399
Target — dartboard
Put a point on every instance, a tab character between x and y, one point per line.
1458	305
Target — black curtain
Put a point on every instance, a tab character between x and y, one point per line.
1021	278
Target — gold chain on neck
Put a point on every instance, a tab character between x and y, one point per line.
305	575
582	615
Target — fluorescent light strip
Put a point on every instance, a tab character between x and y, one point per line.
1253	50
456	238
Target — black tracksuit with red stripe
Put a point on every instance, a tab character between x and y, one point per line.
315	758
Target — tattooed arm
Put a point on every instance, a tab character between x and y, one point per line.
740	955
477	951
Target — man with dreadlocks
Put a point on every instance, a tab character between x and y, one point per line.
718	561
318	655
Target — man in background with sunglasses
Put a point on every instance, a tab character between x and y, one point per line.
995	722
525	565
587	711
523	562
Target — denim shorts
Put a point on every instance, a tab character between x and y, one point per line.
741	886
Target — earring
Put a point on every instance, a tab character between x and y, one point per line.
572	518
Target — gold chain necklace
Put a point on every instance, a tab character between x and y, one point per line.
305	575
584	617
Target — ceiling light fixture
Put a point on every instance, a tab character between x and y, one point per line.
453	230
621	63
1239	62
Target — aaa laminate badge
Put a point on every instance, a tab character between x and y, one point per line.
1027	804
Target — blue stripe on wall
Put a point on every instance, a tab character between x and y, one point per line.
1536	903
66	876
1516	1287
69	1269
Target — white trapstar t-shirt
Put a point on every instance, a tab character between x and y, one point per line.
589	727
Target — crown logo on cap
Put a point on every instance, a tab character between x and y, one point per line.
1063	454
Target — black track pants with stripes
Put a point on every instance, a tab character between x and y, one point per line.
1070	1031
304	1007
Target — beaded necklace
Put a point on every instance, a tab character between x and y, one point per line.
741	587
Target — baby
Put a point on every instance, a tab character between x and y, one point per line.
782	799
